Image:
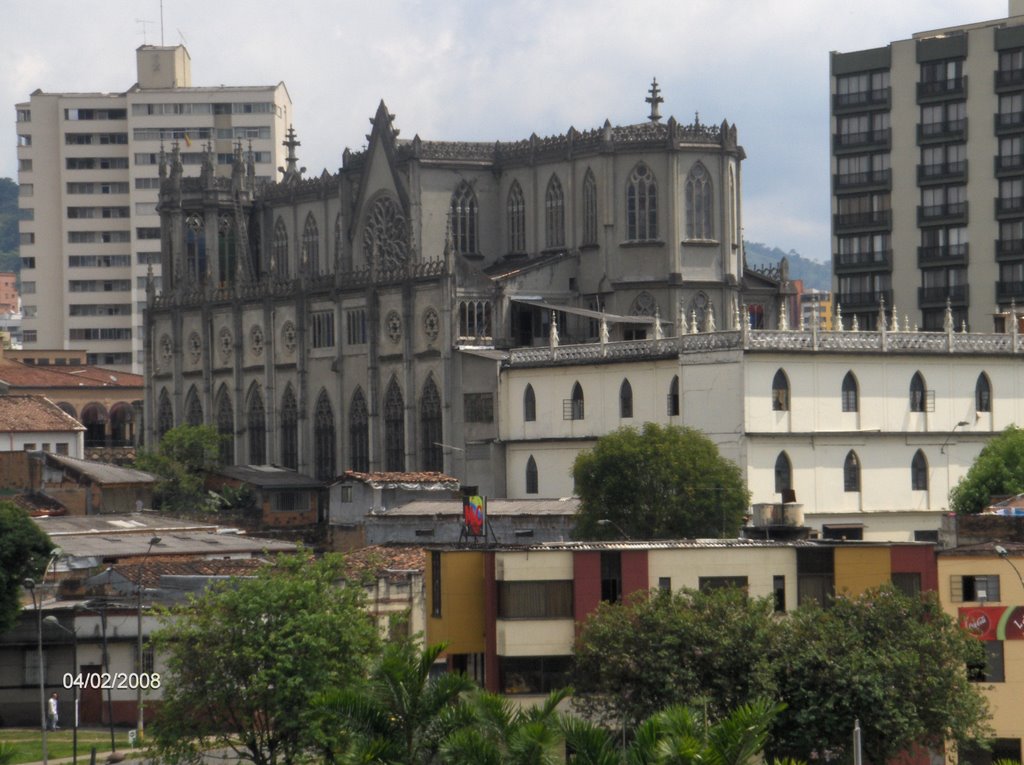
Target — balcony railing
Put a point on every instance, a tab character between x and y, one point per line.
1009	120
939	295
942	254
1010	205
934	213
881	138
1009	77
876	97
867	219
881	260
950	130
954	86
1009	249
862	299
943	171
1007	162
1008	290
870	178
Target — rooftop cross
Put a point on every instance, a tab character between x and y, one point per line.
654	100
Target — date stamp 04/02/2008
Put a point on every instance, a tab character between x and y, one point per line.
113	680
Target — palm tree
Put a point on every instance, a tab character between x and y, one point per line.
501	733
404	713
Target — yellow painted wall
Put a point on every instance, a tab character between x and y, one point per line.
759	565
861	568
461	624
1004	698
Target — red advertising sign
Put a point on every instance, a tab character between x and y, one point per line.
993	622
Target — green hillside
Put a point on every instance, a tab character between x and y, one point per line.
9	226
815	275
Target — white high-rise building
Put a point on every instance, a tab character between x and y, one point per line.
88	173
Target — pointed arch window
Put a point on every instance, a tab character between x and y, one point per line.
394	428
515	209
359	432
919	472
225	426
289	430
430	427
195	249
572	408
164	414
554	214
641	205
780	392
625	399
851	472
529	404
673	397
532	481
227	249
193	407
783	473
464	220
589	208
918	393
279	249
311	246
851	393
699	207
341	262
983	394
256	425
324	462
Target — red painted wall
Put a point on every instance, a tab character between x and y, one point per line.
920	559
634	572
492	681
586	584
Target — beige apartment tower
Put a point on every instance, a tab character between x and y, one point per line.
88	175
928	176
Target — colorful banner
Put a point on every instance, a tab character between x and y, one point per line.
474	515
993	622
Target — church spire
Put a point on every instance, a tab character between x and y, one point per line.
654	99
291	170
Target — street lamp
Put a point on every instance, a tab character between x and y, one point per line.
614	525
52	620
138	656
30	585
1003	553
37	603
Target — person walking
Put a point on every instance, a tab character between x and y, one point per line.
51	712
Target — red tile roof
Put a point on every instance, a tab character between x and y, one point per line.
19	375
34	414
427	477
152	570
378	560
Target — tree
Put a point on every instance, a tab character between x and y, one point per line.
246	660
897	663
498	731
402	715
998	470
185	454
24	552
658	483
658	649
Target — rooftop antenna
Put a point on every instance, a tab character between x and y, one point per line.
161	23
181	35
145	40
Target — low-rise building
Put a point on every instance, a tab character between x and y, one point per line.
510	615
33	423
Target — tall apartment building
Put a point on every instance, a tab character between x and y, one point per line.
928	175
88	173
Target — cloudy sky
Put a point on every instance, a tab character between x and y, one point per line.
459	69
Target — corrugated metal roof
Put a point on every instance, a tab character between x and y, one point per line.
119	523
271	477
101	472
495	507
